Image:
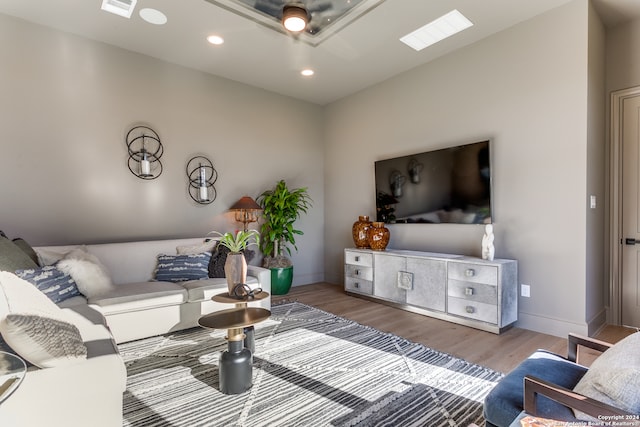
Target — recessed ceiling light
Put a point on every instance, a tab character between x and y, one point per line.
307	72
153	16
437	30
217	40
119	7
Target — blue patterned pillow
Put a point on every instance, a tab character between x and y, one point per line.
181	268
55	284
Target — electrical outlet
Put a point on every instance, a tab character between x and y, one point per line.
525	290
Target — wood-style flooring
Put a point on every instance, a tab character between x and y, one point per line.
499	352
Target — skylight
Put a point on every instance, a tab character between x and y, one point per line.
119	7
437	30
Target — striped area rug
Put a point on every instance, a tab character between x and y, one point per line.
311	368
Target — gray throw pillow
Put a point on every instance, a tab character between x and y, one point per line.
614	377
26	248
12	258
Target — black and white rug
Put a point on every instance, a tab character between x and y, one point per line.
311	368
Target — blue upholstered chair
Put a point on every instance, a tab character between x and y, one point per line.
543	385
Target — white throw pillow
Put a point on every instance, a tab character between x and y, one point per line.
34	327
89	274
43	341
206	246
19	296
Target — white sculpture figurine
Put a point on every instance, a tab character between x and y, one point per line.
487	243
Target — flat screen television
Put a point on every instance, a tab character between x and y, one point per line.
450	185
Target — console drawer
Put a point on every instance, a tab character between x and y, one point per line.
358	258
353	284
473	310
358	272
476	273
471	291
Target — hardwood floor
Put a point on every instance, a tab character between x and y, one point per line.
499	352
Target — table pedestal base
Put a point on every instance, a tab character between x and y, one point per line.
249	341
235	369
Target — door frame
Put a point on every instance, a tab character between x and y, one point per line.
615	203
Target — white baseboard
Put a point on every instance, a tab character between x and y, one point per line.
307	279
597	322
547	325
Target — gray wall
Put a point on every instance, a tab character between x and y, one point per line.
526	89
623	60
596	279
66	104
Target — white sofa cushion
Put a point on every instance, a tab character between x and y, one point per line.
206	246
50	256
140	296
19	296
72	302
201	290
133	262
34	327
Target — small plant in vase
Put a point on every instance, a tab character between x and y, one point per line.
235	267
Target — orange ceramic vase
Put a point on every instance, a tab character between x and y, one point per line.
378	236
359	231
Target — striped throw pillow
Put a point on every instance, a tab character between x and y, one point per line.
182	268
52	282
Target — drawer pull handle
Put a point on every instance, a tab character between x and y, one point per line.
356	285
357	272
470	309
468	291
469	272
357	259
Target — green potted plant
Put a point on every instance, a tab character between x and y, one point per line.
235	266
281	208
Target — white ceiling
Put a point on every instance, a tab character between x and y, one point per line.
364	53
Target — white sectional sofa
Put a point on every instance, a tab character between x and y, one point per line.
90	392
140	307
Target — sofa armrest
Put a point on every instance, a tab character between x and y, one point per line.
534	386
578	340
262	274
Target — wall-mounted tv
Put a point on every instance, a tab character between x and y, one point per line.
450	185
